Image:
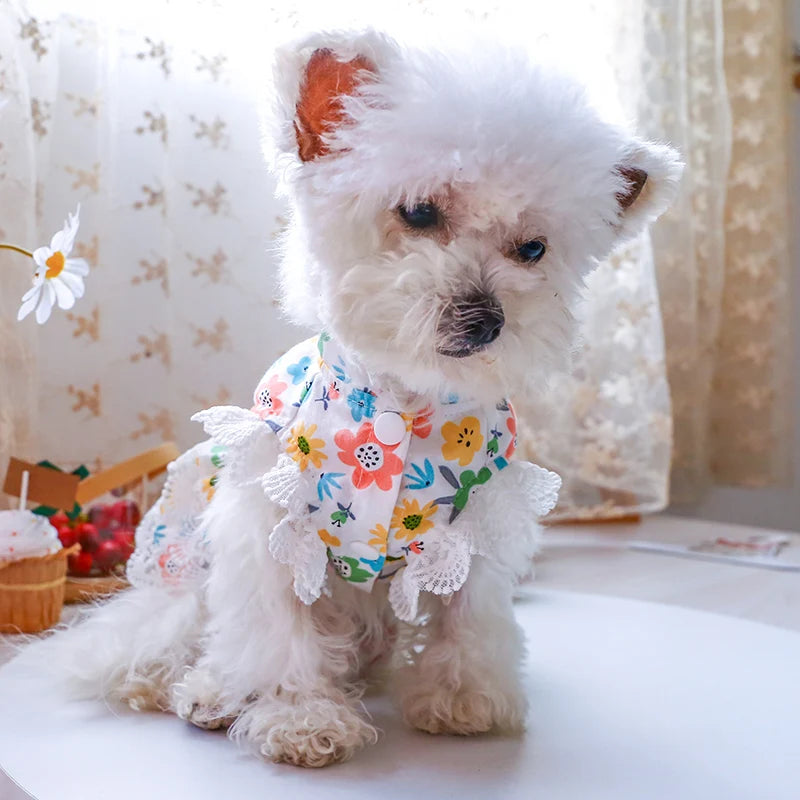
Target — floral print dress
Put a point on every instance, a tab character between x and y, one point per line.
370	486
385	477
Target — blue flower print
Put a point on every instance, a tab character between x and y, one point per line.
326	481
375	564
298	370
362	403
325	399
424	476
340	371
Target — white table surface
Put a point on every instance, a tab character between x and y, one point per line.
593	558
629	699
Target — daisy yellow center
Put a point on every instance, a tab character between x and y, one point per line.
412	521
303	445
55	264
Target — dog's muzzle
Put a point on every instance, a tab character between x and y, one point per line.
470	325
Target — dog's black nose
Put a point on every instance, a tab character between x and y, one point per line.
485	328
482	318
468	324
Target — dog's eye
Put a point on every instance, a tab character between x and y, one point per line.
532	251
420	216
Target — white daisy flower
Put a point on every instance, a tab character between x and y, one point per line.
58	278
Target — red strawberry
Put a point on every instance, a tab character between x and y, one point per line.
99	516
80	564
88	536
119	511
109	553
59	519
126	512
134	514
67	536
126	538
127	535
108	531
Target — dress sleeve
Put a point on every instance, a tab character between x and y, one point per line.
286	384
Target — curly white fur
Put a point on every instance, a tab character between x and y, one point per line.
512	151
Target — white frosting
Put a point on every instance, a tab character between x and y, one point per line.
24	534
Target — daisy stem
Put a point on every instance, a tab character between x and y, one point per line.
16	249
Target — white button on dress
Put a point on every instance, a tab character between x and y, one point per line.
390	428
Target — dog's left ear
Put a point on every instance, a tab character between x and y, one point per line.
314	80
647	179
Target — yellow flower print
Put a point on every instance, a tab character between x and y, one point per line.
329	539
302	448
462	441
379	537
410	520
209	485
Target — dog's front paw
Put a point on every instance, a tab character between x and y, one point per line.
210	718
309	732
463	712
195	699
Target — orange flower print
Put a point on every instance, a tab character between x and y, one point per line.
267	397
173	562
462	440
372	460
511	423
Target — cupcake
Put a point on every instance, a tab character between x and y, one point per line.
33	568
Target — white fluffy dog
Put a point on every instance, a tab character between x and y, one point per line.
445	210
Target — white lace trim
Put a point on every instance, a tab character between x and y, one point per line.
280	484
441	569
250	441
404	596
294	541
444	565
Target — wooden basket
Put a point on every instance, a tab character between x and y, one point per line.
86	590
60	490
32	592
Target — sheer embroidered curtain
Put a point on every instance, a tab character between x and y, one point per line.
148	117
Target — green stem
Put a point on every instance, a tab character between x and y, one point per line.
16	249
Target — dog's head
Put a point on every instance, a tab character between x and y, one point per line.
446	208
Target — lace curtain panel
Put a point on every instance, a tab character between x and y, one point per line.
682	359
718	87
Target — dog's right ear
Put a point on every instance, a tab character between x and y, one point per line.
320	108
312	80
